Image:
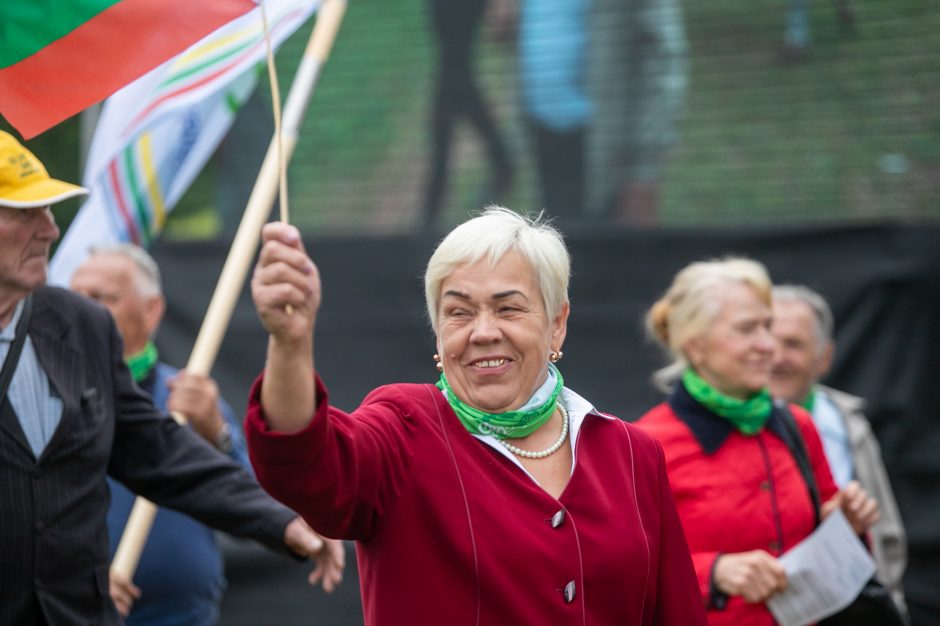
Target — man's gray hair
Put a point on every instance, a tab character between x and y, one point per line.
147	278
825	322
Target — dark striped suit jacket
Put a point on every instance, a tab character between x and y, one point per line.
53	537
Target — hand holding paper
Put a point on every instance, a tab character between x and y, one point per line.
826	572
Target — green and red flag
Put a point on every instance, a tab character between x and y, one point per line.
58	57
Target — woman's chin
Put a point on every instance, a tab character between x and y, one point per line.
755	388
746	390
494	404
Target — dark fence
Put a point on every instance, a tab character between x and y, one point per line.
882	280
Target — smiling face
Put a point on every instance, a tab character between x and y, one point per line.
735	353
494	335
801	357
25	238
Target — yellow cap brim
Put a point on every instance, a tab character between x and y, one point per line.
41	193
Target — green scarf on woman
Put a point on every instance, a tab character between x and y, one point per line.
511	424
747	416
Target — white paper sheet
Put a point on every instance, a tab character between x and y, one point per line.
825	573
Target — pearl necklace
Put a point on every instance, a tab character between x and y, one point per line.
548	451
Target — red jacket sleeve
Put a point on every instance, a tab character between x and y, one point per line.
704	563
342	471
678	600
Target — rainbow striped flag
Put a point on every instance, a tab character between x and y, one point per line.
58	57
156	134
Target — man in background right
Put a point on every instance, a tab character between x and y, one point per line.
803	326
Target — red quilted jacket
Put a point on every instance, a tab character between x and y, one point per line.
735	493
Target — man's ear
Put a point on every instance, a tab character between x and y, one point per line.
154	307
825	359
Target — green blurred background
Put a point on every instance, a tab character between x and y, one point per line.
849	133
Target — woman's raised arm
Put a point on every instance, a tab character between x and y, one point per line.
286	292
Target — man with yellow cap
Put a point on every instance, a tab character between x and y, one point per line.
24	182
70	414
27	228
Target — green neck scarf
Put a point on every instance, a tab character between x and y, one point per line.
809	401
143	362
509	425
748	416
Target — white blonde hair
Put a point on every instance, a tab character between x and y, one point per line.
692	303
492	234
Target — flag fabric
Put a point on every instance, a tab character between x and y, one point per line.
155	135
58	57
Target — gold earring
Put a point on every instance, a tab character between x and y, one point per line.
555	355
437	363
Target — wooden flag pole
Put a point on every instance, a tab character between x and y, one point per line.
244	246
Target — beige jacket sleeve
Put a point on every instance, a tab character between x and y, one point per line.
889	541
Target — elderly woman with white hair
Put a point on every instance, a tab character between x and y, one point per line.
741	496
498	496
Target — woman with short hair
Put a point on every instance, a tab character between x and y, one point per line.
498	496
739	491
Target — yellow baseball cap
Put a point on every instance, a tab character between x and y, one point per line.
24	182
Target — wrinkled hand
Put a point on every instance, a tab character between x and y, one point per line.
301	539
330	565
329	554
285	275
197	397
754	575
123	593
860	509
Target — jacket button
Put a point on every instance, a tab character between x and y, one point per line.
558	518
765	485
37	584
774	545
569	592
39	527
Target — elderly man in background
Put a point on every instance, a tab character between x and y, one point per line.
71	414
180	578
803	326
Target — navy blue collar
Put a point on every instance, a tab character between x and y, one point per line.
709	429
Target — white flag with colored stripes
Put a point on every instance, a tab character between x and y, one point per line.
155	135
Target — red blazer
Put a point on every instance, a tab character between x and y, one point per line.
452	532
735	493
